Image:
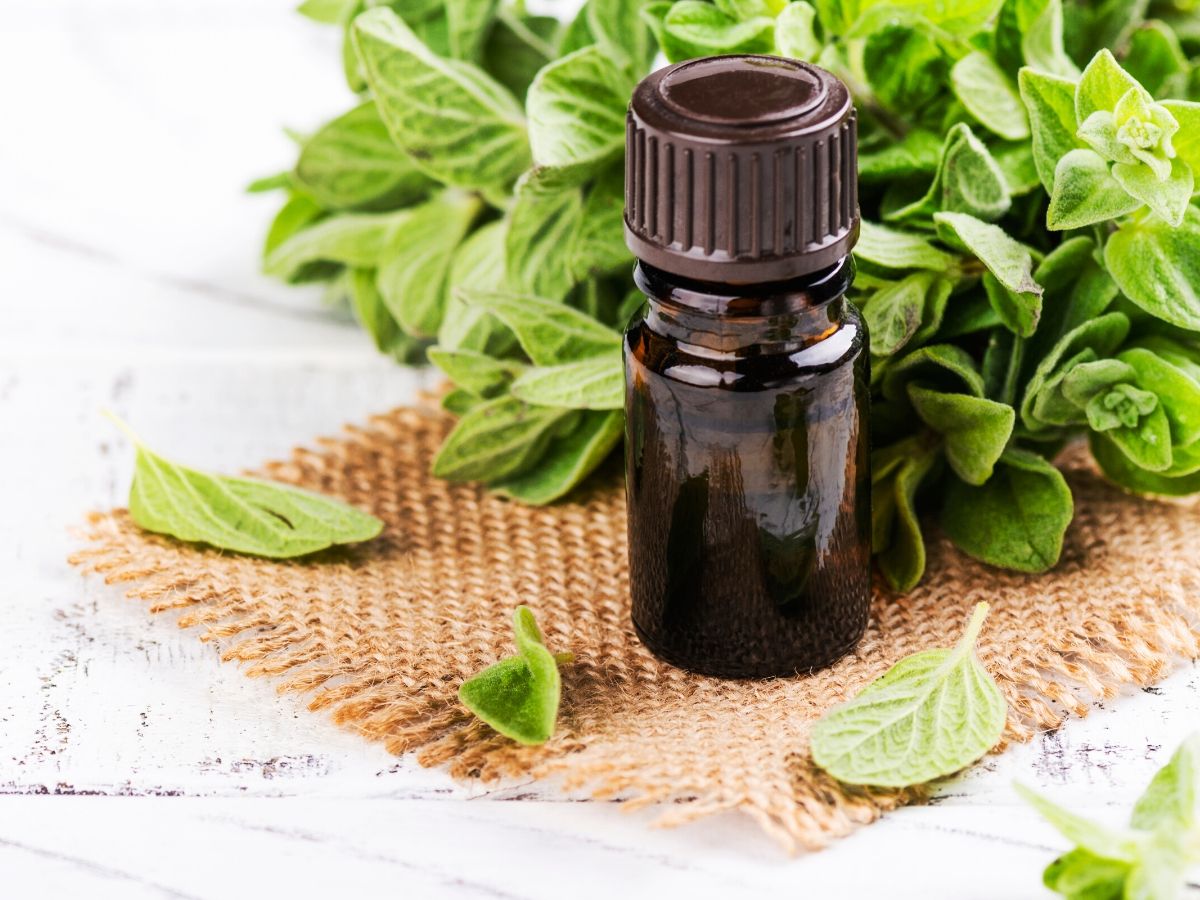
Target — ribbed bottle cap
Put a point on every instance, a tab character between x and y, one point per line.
741	169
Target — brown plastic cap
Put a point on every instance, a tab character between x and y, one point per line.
741	169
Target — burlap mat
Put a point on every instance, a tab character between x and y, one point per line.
382	635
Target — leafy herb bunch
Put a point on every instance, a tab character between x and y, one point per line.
1028	265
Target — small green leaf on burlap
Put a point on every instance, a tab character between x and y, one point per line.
519	696
928	716
246	515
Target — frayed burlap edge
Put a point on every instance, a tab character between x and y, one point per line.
381	635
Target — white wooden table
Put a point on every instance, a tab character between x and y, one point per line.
132	763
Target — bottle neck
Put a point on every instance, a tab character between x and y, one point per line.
746	320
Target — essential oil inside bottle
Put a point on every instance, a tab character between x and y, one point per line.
747	386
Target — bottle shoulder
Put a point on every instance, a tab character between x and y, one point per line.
746	366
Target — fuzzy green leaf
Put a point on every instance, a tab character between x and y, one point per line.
620	31
568	460
1008	260
518	696
1077	289
1099	337
694	28
327	12
795	35
908	70
550	333
942	366
1158	267
928	716
894	249
299	212
1147	442
498	439
594	383
376	319
516	49
481	375
968	180
897	473
542	228
352	239
1187	140
1146	861
1050	102
467	25
1168	197
245	515
1085	192
597	246
989	96
1172	799
1017	519
1020	312
1105	842
478	264
1101	86
412	279
454	121
1176	387
1155	58
1082	875
576	108
1181	479
975	430
918	153
906	311
352	163
1015	159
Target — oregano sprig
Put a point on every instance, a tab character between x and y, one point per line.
1148	859
1028	266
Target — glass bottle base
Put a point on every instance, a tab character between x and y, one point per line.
747	669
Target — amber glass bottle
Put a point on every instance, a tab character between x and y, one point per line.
747	452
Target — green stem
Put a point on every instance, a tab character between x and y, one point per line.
121	424
974	626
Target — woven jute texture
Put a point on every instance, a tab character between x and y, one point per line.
381	635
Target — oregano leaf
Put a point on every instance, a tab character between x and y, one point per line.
1050	102
1158	267
597	382
897	475
497	439
245	515
1086	192
412	277
576	108
519	696
352	163
975	430
928	716
894	249
1015	520
1147	860
454	121
567	461
987	93
550	333
1008	260
1168	197
1102	85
